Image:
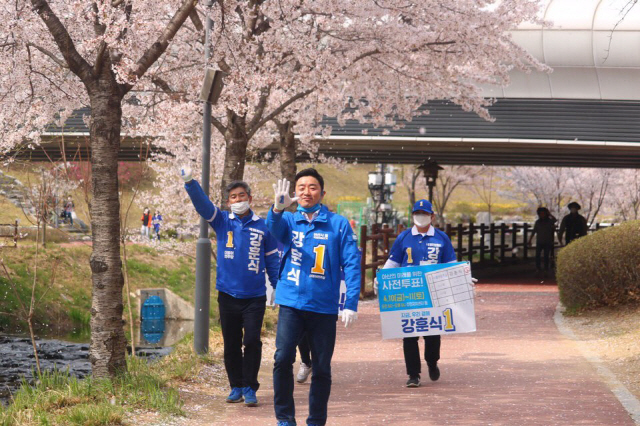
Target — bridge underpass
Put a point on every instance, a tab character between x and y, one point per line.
526	132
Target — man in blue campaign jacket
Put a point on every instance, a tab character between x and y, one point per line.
317	244
423	244
245	250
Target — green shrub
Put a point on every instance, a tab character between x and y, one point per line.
602	269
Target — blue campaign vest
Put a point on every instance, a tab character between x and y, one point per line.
413	249
313	256
245	248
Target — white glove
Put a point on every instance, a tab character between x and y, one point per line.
272	300
185	174
349	317
375	286
474	281
282	199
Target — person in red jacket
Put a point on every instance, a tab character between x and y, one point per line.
146	222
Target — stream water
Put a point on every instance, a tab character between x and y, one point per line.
17	360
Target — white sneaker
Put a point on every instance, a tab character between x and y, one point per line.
303	373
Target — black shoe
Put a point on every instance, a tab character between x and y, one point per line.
434	371
413	382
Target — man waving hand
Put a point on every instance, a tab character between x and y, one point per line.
318	245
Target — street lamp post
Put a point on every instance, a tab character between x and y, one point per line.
430	170
211	89
382	185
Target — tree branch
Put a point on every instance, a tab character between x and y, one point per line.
61	63
61	36
262	104
160	46
218	125
197	22
278	110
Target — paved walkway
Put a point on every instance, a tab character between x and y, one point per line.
517	369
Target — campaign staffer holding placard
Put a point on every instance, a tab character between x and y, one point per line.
317	245
423	244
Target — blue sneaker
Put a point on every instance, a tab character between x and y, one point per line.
235	395
286	423
250	399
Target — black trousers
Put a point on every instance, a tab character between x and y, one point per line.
305	350
241	322
543	251
412	353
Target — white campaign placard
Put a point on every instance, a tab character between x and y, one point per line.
426	300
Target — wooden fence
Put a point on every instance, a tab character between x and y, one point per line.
381	239
481	245
10	230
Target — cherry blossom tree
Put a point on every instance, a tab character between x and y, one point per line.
449	179
410	177
590	187
538	186
555	187
484	186
60	55
625	193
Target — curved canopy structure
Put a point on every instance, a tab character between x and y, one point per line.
593	47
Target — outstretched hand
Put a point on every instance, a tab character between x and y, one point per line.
186	174
282	198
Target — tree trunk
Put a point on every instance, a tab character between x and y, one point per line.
412	189
287	151
236	142
108	342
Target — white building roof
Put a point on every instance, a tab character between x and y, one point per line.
593	47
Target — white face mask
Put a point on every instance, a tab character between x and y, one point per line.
240	207
422	220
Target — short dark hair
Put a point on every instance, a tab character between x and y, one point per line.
238	184
313	173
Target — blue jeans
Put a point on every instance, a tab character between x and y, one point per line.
321	331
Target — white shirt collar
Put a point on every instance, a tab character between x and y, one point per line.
313	215
430	232
254	217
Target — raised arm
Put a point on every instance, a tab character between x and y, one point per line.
201	202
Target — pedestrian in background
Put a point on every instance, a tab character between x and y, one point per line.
156	220
68	209
545	231
573	225
146	222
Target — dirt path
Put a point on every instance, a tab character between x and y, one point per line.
517	369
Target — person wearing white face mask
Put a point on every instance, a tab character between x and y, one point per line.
423	244
245	250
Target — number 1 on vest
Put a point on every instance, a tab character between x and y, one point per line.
409	257
318	267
